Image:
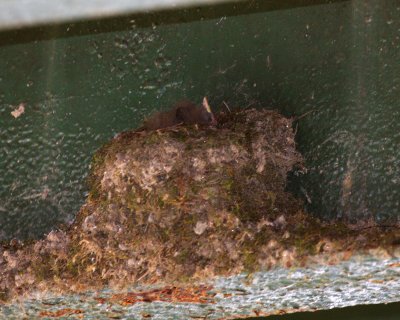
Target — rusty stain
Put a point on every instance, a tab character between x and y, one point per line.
199	294
146	315
394	265
60	313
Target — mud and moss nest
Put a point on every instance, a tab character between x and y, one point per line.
187	201
181	203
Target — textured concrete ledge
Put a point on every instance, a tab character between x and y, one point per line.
360	280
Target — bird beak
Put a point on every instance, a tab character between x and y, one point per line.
208	108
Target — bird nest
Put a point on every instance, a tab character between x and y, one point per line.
180	203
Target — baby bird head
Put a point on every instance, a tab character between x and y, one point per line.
188	113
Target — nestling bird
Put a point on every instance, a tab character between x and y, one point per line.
184	112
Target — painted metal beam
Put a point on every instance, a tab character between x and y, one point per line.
24	13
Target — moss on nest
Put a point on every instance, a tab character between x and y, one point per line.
178	204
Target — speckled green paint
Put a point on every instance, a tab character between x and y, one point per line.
84	83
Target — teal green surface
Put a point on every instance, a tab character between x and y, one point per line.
85	82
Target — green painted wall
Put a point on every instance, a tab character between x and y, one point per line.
83	83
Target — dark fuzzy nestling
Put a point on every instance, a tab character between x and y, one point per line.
184	112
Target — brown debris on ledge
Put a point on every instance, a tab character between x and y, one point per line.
184	203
